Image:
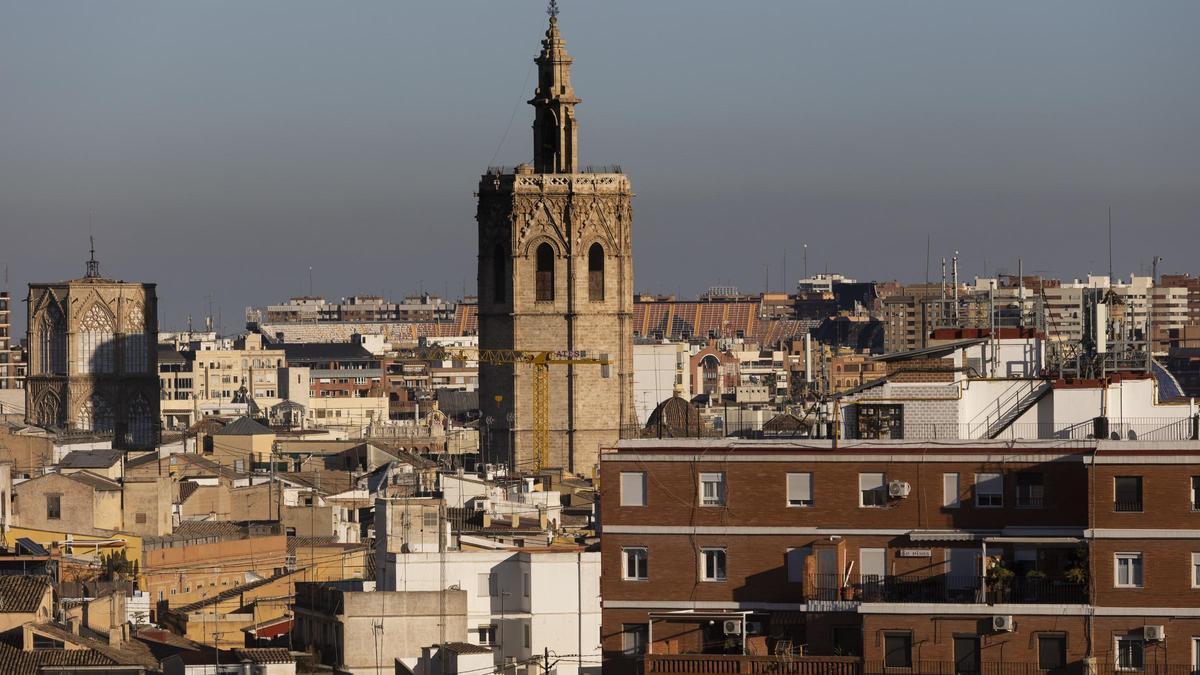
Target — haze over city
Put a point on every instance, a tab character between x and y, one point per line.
222	148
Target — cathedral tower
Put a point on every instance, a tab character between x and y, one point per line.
556	274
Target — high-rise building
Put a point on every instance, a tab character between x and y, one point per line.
93	358
8	379
556	274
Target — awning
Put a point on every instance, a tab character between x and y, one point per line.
948	535
686	614
1046	541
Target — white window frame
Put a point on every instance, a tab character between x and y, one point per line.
628	499
882	487
1128	555
797	501
1117	653
704	553
1195	642
626	554
982	479
1195	570
951	497
719	479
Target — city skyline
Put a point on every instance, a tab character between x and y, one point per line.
247	148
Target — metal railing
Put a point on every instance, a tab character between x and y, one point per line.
959	668
722	664
943	588
1133	505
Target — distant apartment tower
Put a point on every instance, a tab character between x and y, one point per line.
8	374
93	358
556	274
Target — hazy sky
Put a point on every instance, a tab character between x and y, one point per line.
223	146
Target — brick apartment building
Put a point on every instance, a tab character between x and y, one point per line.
723	556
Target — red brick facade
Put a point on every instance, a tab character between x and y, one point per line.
974	532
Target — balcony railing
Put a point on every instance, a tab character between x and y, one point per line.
959	668
1127	505
944	588
719	664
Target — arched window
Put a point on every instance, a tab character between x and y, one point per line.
94	342
96	415
136	345
596	272
499	274
52	342
545	273
140	426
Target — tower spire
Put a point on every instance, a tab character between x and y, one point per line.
555	138
93	265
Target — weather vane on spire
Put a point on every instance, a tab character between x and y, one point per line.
552	10
93	265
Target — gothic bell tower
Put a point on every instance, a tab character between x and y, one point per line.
555	274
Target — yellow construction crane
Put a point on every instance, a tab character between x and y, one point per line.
540	361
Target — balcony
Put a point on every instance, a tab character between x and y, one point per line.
719	664
714	664
1127	505
943	588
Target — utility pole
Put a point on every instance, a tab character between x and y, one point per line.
546	661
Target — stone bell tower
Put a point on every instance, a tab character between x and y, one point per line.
555	274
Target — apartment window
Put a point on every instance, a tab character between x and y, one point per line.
795	558
633	638
1196	570
799	489
897	650
53	507
140	518
487	635
528	638
712	564
1128	570
525	585
989	490
1127	493
633	489
1130	653
636	564
950	491
712	489
871	490
487	586
1196	495
1052	652
1030	490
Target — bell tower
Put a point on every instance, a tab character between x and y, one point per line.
555	274
555	139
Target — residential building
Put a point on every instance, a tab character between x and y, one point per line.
81	502
960	556
660	371
359	629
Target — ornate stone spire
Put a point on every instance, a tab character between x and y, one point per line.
555	139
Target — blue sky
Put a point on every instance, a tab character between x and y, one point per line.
222	147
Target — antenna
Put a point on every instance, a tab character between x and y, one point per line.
1110	269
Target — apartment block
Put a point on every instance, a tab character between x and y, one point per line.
900	556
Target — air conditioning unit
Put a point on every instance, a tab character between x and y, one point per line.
733	627
1003	623
898	489
754	628
1154	633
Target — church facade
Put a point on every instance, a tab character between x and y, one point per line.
93	358
556	275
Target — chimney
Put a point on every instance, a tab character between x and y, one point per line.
516	520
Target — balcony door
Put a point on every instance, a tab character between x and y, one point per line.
962	577
872	566
966	655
